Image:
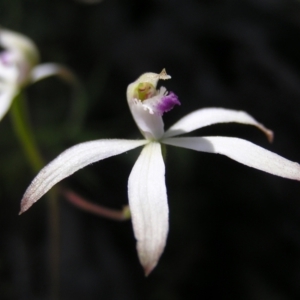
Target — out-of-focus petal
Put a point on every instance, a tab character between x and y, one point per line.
7	95
8	81
19	43
78	108
43	71
209	116
242	151
148	205
9	71
72	160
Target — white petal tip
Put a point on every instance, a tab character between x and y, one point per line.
270	135
148	269
25	205
149	259
148	263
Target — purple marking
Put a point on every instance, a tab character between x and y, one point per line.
167	103
5	58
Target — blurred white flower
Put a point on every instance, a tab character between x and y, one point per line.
19	67
146	185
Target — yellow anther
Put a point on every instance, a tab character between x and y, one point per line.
144	90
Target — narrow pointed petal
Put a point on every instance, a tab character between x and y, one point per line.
209	116
242	151
72	160
46	70
148	205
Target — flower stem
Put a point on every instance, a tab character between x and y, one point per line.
117	215
25	135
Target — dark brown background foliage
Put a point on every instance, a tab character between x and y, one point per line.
234	231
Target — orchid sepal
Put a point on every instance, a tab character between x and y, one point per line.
241	151
149	205
70	161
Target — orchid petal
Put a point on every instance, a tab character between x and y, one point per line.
6	98
209	116
8	81
9	71
20	44
242	151
148	205
79	97
150	125
46	70
72	160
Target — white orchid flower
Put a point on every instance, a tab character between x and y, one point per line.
19	67
146	185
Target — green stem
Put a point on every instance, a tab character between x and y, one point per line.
25	135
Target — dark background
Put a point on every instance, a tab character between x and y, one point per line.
234	231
